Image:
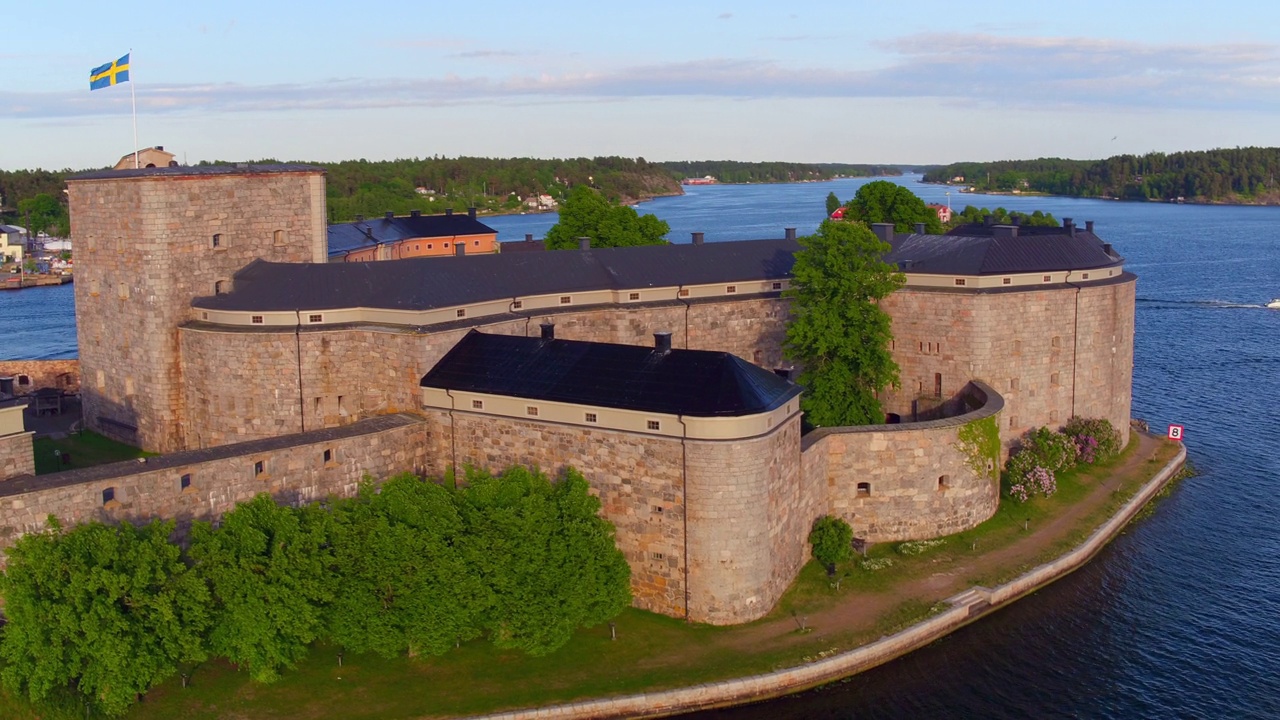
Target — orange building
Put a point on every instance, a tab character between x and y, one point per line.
394	237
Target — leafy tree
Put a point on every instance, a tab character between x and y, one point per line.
111	610
46	213
270	569
547	560
838	332
587	213
833	203
402	581
1000	216
832	541
883	201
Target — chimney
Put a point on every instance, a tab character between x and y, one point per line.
884	231
1088	226
919	228
471	212
460	248
662	342
1017	220
415	213
988	220
784	373
548	331
1066	223
368	232
584	244
160	148
791	233
448	211
528	237
1003	231
390	215
1106	248
697	238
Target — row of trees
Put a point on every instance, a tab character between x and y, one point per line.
1000	216
587	213
108	612
732	171
1231	175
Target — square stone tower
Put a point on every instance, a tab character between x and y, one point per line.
150	240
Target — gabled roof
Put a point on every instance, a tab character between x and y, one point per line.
346	237
698	383
1031	250
430	283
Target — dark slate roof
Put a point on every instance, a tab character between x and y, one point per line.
523	246
202	170
700	383
1044	249
345	237
428	283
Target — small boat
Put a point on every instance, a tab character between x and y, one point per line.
1274	304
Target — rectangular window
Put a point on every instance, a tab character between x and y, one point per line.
219	287
590	417
1053	379
653	425
731	289
1048	278
657	555
184	482
531	411
475	243
1056	342
462	313
24	379
477	404
1085	276
256	319
959	281
277	238
431	246
937	385
1007	281
416	247
204	316
315	318
122	291
328	455
108	495
633	296
684	292
446	244
517	304
1013	383
565	299
777	286
217	240
259	468
1013	421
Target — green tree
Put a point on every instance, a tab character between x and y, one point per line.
882	201
270	570
832	541
833	203
548	561
110	610
402	582
838	332
587	213
46	213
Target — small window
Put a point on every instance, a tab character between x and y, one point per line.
477	404
416	247
122	291
1007	281
256	319
731	289
657	509
777	286
1053	379
1053	416
1013	383
959	281
328	455
633	296
108	495
220	287
864	489
657	555
684	292
475	243
462	313
1013	421
24	379
1048	278
1056	342
1017	347
184	482
259	468
531	411
937	385
1085	276
277	237
590	417
204	316
944	482
217	240
446	245
431	246
315	318
517	304
653	425
566	299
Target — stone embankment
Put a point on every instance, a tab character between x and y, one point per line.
964	608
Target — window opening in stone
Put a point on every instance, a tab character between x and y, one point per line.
259	468
864	489
184	482
108	495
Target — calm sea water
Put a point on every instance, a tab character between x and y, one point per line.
1180	616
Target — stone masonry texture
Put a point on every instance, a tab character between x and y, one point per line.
61	374
16	456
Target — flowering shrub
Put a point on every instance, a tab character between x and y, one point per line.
1095	432
1032	469
1038	481
874	564
915	547
1087	447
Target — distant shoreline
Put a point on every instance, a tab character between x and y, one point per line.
1037	193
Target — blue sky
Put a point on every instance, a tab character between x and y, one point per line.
880	82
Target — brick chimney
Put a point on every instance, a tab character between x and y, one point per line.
584	244
884	231
697	238
791	233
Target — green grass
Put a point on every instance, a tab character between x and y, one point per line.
652	652
86	448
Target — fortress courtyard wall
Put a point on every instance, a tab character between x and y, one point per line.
61	374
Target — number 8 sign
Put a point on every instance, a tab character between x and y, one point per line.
1175	433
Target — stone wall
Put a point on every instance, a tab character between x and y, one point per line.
16	455
294	469
61	374
144	249
637	478
910	481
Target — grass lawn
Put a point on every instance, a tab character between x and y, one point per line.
85	448
652	651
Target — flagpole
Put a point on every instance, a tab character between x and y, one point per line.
133	96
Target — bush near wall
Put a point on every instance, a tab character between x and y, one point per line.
1043	453
107	612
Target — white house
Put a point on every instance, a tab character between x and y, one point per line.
12	243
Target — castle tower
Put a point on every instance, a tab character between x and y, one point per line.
150	240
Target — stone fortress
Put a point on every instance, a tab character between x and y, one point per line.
212	330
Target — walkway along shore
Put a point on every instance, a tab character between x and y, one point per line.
965	607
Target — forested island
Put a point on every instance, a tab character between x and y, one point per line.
1239	175
732	171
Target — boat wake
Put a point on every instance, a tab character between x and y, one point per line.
1219	304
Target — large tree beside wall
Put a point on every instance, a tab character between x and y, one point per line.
587	213
838	333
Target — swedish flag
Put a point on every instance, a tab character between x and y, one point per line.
110	74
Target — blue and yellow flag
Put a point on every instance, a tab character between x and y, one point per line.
110	74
